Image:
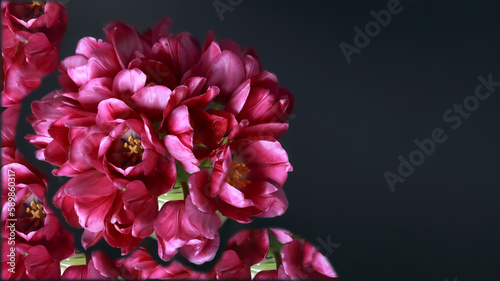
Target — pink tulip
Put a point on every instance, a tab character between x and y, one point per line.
245	182
301	260
31	35
180	225
122	216
251	245
35	224
231	267
260	100
29	262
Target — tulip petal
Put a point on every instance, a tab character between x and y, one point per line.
152	101
129	81
40	264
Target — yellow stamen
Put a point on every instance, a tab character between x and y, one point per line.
35	213
38	7
237	171
135	149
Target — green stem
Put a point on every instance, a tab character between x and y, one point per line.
185	189
277	258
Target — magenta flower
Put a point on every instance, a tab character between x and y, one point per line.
47	17
31	34
35	223
40	264
180	225
192	132
260	100
251	245
121	216
230	267
31	262
30	230
254	245
245	182
302	261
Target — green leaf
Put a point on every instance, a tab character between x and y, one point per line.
172	195
222	218
268	264
76	259
205	164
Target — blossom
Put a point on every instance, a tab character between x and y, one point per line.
31	231
259	100
251	245
255	245
231	267
36	224
121	216
242	185
31	262
31	35
301	260
47	17
180	225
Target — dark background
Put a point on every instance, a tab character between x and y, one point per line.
353	120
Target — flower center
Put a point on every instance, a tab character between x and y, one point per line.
135	149
35	213
235	175
37	8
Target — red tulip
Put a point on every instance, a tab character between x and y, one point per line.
245	182
23	199
180	225
251	245
28	262
31	35
302	261
122	216
231	267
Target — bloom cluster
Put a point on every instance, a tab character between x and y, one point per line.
142	113
161	137
31	35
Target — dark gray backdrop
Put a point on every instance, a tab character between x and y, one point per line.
352	120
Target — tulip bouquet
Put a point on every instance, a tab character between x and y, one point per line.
161	137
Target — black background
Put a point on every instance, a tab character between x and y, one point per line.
353	120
